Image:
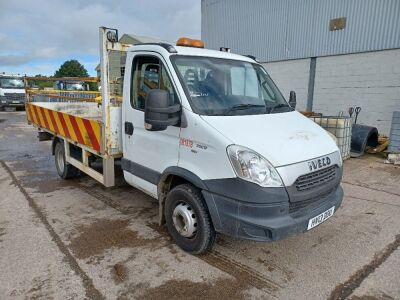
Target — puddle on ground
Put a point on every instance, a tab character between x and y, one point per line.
50	185
104	234
184	289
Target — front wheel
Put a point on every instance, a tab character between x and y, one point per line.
64	169
188	220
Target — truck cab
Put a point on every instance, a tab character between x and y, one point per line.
12	92
217	143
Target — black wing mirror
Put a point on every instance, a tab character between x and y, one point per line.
292	99
158	113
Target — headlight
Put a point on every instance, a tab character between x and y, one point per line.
252	167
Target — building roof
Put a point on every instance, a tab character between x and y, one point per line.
139	39
274	30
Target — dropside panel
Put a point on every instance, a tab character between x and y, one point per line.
84	131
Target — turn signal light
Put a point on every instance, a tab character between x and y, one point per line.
184	41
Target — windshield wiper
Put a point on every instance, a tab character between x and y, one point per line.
243	106
278	106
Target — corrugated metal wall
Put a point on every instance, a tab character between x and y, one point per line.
290	29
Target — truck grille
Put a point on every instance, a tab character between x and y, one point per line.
295	206
15	96
314	179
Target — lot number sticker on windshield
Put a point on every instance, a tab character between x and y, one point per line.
320	218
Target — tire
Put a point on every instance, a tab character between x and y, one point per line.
64	169
187	198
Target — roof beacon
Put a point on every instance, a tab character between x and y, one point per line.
186	42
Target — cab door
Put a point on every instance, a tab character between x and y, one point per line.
147	153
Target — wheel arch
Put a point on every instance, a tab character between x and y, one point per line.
54	143
171	177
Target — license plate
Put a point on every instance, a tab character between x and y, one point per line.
320	218
16	102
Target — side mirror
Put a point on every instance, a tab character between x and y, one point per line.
158	113
292	99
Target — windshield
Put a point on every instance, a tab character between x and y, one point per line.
218	86
11	83
74	86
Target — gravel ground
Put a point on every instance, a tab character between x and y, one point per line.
76	239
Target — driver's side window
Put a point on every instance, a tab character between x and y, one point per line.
149	73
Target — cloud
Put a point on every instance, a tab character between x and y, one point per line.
13	60
41	31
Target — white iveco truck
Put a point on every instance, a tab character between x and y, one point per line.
209	135
12	92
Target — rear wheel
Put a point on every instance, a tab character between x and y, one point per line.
188	220
64	169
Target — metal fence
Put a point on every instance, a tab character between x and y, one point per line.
34	94
340	127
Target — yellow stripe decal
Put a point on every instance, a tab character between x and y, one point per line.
47	116
33	114
70	128
58	122
83	131
39	113
96	128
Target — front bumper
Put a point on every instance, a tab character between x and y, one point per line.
11	103
260	221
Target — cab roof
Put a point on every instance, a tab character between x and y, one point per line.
191	51
11	75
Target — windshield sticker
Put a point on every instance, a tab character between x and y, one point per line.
198	94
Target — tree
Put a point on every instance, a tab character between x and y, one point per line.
71	68
42	83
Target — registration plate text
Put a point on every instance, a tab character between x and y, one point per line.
320	218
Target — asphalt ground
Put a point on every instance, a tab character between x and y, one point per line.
76	239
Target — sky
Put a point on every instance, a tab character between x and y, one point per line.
37	36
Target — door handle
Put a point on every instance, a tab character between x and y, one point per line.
128	128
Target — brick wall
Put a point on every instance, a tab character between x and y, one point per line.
370	80
291	75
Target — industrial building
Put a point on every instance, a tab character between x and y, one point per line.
335	54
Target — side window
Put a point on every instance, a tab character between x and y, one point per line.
149	73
